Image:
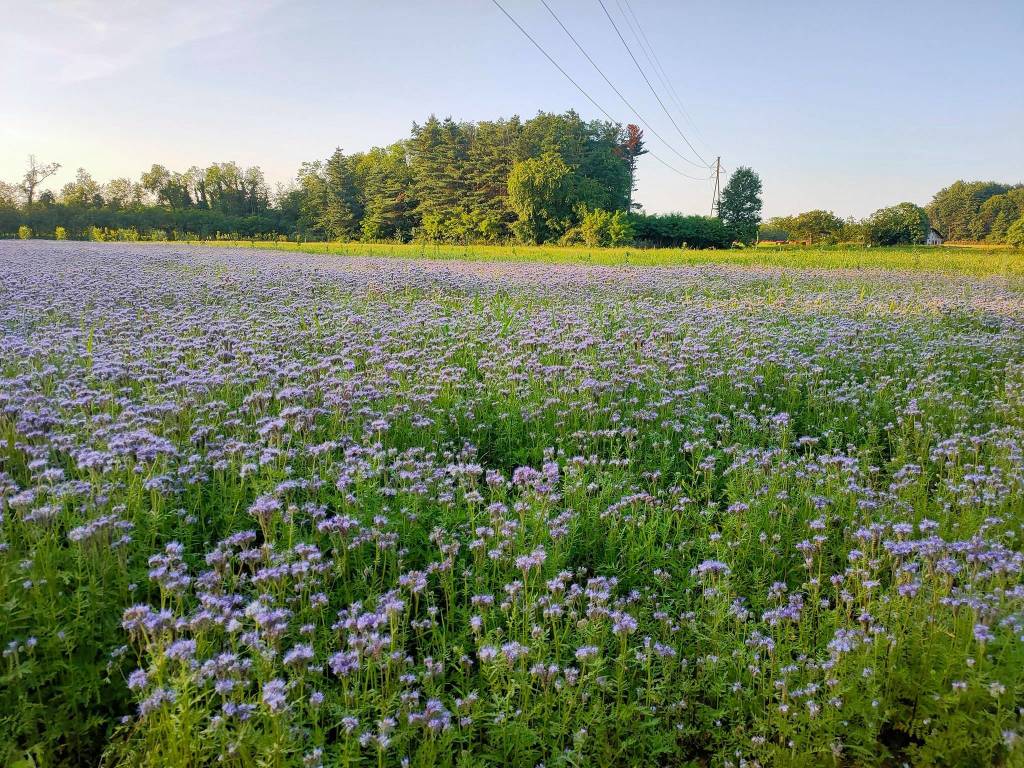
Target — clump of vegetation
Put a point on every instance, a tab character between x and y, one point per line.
464	183
903	224
494	182
982	212
977	210
676	230
605	228
813	227
1015	234
740	208
346	512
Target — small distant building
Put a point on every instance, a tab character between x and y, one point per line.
934	237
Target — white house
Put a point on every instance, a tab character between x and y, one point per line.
934	237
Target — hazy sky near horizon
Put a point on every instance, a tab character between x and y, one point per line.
844	106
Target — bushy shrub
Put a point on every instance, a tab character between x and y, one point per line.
594	227
572	236
772	230
903	224
816	226
24	233
674	230
1015	234
599	228
59	233
620	229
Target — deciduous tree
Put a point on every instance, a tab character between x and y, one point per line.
539	193
817	226
903	224
740	209
36	174
81	192
954	209
1015	233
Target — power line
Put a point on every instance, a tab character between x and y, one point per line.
655	61
646	80
660	74
580	87
716	196
555	63
611	84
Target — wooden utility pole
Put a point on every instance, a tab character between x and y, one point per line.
716	196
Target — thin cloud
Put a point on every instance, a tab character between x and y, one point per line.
76	40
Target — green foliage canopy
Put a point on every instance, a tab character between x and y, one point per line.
963	211
740	208
816	226
903	224
551	178
675	230
1015	233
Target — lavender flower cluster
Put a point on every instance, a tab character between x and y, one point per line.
298	510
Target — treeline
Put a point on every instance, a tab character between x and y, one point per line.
552	178
980	212
458	181
162	204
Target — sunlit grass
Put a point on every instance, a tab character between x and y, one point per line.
963	260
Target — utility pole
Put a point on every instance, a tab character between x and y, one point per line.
716	196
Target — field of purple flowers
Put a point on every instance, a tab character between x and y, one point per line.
291	510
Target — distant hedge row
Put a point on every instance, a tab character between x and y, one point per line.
150	222
60	222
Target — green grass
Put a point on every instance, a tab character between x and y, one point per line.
962	260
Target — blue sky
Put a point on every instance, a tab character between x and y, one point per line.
844	106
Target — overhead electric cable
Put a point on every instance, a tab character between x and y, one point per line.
652	56
611	85
655	92
581	89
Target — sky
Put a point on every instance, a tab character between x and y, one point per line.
846	106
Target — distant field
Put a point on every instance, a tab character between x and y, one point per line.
964	260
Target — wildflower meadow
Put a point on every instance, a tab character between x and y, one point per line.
268	508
